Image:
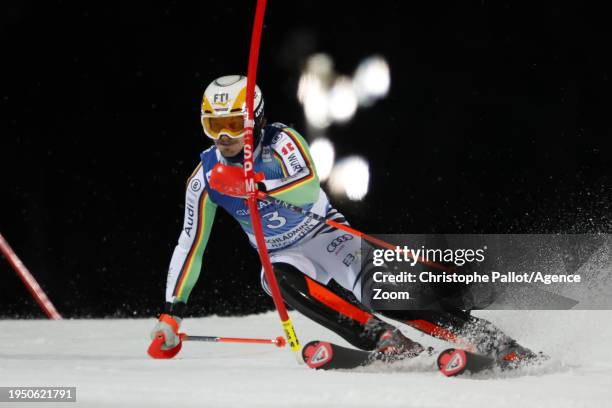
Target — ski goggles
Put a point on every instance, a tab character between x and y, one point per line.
216	126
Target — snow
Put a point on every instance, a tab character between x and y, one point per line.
106	360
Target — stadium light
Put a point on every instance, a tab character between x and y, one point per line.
342	100
350	177
372	80
323	154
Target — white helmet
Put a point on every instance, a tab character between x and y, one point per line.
224	107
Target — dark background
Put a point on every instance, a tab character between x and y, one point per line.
498	120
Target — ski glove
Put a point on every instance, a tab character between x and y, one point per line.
230	180
169	326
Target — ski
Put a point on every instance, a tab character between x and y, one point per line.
453	362
323	355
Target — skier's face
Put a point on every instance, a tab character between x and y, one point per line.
229	147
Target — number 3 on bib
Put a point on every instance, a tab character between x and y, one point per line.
275	220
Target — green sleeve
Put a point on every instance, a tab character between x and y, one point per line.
301	187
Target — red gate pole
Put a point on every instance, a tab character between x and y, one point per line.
35	290
251	187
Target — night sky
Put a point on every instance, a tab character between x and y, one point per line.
498	120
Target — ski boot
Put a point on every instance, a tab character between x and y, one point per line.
392	345
512	355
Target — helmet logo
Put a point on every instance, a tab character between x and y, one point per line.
220	98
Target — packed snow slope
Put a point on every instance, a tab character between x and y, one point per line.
106	360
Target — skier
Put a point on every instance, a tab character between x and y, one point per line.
318	268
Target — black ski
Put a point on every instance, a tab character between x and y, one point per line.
453	362
323	355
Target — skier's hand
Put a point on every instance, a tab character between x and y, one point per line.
169	326
230	180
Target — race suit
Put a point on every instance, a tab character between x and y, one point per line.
312	247
306	254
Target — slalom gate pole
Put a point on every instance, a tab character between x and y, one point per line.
383	244
35	290
251	187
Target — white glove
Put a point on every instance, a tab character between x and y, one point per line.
169	326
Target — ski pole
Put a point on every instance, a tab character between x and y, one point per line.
265	197
278	342
155	349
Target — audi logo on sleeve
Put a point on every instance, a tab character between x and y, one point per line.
337	241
